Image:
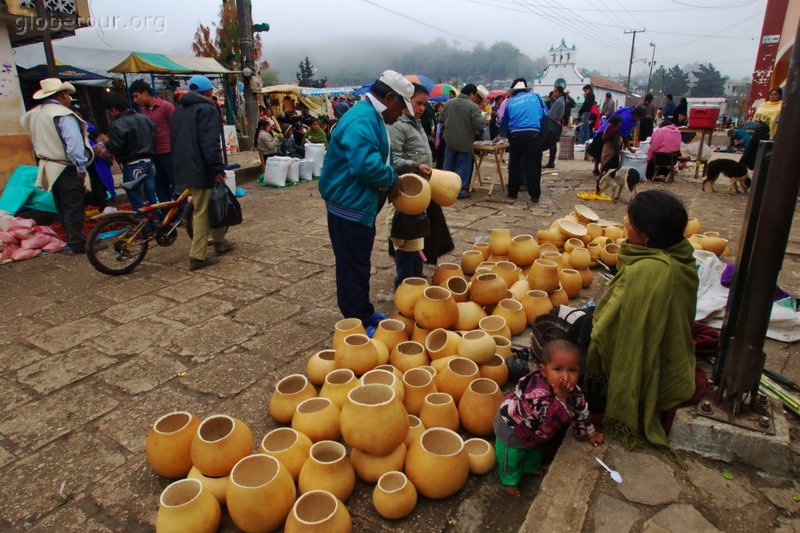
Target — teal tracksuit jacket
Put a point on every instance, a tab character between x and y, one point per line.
355	165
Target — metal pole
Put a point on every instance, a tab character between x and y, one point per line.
630	61
244	14
652	62
46	41
744	362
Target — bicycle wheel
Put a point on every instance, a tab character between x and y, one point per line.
117	245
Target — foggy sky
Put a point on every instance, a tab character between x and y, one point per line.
724	32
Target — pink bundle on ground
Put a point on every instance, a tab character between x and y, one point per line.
9	239
8	251
21	233
55	245
21	254
36	242
45	230
26	223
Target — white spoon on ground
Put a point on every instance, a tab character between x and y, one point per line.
616	476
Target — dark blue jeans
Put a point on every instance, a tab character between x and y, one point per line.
166	188
585	132
133	171
352	246
461	164
408	265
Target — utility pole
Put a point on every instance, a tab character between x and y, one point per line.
652	62
630	61
47	42
244	14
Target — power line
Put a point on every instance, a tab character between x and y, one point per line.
714	34
695	6
614	26
448	32
597	35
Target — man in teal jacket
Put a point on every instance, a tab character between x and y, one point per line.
357	168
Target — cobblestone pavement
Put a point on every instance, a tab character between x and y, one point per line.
88	362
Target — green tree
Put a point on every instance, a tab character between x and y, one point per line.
220	40
270	77
676	81
709	82
305	75
658	81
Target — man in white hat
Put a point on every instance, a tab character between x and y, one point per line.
62	147
357	169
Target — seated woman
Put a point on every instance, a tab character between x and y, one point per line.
315	134
666	139
641	359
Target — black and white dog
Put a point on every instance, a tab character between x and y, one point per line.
731	168
619	178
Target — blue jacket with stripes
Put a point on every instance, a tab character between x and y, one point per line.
356	165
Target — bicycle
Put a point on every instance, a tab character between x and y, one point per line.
119	241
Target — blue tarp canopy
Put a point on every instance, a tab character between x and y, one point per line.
364	89
63	72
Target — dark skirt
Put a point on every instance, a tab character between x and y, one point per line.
645	128
439	242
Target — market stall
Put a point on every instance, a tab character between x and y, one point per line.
318	103
172	65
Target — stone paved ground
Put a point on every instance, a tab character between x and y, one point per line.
88	362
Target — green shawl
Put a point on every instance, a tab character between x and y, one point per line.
641	356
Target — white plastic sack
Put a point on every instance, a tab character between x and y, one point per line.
712	297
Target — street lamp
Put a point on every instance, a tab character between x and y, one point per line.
652	62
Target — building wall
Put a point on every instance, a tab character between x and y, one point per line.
15	144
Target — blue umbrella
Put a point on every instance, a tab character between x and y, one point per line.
425	81
63	72
364	89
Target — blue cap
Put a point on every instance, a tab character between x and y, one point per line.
199	84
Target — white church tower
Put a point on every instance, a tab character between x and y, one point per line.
561	70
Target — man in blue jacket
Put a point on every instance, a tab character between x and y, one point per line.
522	124
357	168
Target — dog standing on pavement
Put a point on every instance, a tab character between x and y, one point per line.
732	169
619	178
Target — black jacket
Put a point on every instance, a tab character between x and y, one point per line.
132	136
195	132
588	102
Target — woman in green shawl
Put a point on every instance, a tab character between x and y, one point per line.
641	357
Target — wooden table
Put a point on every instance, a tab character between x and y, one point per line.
479	152
705	137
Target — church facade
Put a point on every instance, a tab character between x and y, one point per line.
562	69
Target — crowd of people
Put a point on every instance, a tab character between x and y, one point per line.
395	130
162	148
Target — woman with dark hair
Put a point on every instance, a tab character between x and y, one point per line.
648	120
768	112
627	121
681	115
266	143
641	360
411	153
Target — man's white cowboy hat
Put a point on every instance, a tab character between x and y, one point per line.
51	86
520	85
483	92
